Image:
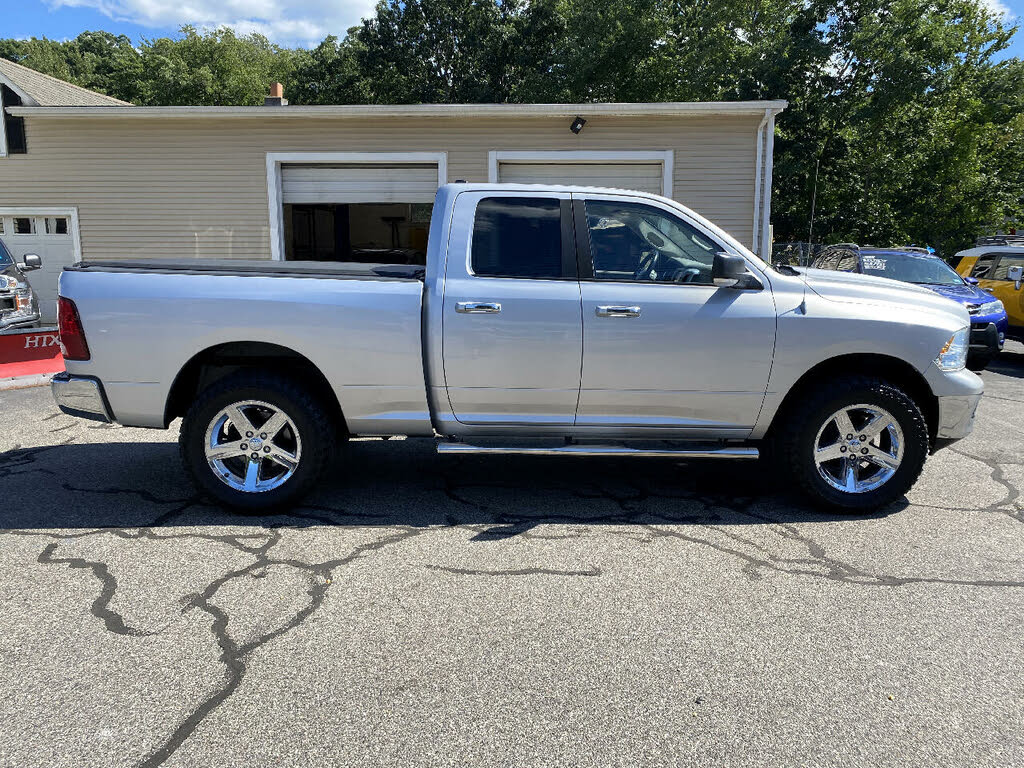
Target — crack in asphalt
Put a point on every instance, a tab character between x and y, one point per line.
101	605
233	655
513	571
998	476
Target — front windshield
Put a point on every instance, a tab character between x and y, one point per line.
920	268
5	256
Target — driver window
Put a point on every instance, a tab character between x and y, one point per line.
1002	272
636	242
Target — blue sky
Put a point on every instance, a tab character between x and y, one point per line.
290	22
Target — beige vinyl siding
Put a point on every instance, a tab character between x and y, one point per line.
197	186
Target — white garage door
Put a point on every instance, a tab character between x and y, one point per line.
53	239
363	183
645	177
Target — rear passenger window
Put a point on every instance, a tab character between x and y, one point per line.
517	237
847	262
983	266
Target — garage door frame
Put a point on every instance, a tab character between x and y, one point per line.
666	157
276	159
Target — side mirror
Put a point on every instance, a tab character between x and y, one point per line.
728	271
31	261
1016	274
971	280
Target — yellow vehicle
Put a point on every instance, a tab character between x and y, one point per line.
997	264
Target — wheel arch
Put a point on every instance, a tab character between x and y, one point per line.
891	369
220	360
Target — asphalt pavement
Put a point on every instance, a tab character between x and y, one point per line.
423	610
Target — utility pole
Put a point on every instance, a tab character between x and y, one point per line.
814	198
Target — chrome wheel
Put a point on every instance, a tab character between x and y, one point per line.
858	448
253	446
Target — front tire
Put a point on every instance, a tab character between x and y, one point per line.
853	445
256	441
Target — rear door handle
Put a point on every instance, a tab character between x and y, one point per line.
618	311
477	307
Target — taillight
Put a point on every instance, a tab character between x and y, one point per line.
69	326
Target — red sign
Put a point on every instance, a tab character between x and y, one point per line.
33	351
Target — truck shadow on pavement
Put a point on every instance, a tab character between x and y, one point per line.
1010	362
399	483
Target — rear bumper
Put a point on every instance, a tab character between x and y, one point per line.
81	396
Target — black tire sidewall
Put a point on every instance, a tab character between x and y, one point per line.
306	412
915	444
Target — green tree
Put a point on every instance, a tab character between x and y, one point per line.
461	51
328	74
216	68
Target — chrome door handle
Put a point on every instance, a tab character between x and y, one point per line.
477	307
618	311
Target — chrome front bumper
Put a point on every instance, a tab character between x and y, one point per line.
81	396
956	416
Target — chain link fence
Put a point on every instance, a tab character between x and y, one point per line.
795	254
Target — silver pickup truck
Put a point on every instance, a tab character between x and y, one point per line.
547	320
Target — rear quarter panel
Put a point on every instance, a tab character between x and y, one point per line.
364	335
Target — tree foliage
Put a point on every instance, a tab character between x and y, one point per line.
902	122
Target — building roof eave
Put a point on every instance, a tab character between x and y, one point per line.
662	109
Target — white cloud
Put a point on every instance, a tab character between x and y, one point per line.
289	22
998	7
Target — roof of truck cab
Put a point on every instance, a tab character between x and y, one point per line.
1013	250
472	186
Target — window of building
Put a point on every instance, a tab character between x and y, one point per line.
631	241
13	127
369	233
56	225
517	237
24	225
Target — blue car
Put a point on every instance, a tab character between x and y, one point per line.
989	322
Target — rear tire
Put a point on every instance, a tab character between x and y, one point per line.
256	441
818	441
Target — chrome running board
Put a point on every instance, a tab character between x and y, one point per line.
703	452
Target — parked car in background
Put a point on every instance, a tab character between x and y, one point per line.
547	320
989	322
996	263
19	306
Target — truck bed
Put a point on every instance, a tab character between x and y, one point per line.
359	324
